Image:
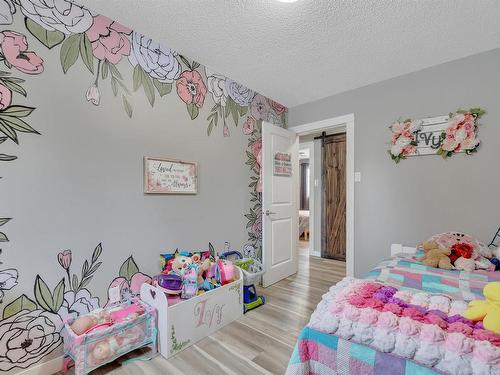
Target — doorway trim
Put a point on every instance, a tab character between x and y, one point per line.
328	124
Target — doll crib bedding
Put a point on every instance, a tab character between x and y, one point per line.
104	343
339	342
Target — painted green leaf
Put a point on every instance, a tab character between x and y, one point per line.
7	130
185	61
43	295
94	268
19	304
243	110
74	283
58	296
149	89
97	253
49	39
5	157
18	124
86	52
85	268
3	237
13	86
4	220
114	87
105	69
234	113
114	71
70	50
137	77
129	268
3	139
192	110
162	88
127	106
86	282
17	111
210	128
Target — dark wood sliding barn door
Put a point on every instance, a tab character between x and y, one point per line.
334	197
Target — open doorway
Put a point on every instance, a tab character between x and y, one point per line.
326	196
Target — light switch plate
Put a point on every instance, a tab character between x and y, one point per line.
357	176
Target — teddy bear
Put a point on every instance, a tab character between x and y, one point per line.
436	256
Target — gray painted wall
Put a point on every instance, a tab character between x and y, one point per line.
408	202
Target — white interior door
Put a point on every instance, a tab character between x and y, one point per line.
280	186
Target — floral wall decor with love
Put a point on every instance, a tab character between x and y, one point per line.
444	135
126	64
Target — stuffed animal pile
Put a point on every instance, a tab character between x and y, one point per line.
453	250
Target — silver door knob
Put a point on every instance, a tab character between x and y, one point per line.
270	213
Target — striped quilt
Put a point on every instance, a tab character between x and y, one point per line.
322	353
318	352
409	273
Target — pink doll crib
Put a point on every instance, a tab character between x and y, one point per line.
96	348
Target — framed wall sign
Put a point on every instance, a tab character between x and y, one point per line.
169	176
282	164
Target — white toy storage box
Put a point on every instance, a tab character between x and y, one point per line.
183	324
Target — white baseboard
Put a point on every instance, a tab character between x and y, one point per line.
315	253
46	368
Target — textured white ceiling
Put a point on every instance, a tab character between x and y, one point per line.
300	52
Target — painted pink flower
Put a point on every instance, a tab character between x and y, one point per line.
5	97
64	259
258	187
134	286
225	131
257	150
278	108
191	88
109	39
15	50
249	125
259	107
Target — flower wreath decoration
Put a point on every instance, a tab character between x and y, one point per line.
460	135
404	139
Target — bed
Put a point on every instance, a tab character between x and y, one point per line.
304	224
337	341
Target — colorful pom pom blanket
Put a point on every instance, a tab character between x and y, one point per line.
424	329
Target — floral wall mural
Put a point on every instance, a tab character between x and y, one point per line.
110	53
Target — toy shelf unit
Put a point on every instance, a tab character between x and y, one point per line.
183	324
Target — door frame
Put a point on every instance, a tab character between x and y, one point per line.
346	121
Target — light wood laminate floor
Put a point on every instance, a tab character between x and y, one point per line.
261	342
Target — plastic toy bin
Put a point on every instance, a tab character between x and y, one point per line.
117	340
